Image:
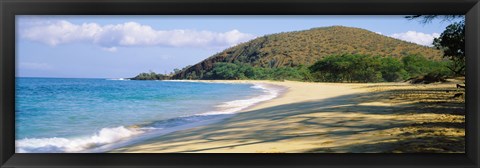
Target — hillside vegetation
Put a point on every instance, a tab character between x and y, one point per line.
150	76
338	68
304	48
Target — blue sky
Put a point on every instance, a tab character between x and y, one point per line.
123	46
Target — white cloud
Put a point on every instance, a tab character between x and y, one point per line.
110	37
416	37
34	66
111	49
61	32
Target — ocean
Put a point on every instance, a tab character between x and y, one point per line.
69	115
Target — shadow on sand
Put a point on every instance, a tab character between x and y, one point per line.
339	124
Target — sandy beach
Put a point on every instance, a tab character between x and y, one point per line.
331	117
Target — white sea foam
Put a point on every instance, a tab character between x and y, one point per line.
111	138
234	106
49	145
120	79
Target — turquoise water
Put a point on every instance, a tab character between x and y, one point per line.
75	115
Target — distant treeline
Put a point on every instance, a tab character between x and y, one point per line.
335	68
150	76
362	68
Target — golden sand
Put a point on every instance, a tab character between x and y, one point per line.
331	117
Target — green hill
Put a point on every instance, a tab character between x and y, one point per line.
291	49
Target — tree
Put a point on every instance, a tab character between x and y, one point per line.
428	18
176	70
392	70
348	67
192	75
365	68
415	65
223	70
452	42
150	76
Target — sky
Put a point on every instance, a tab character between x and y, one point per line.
124	46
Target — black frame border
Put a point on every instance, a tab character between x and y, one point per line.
10	8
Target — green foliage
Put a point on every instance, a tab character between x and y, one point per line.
393	70
335	68
176	70
287	73
364	68
230	71
349	68
150	76
234	71
452	42
415	65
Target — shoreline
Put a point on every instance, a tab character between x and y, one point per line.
281	90
211	117
218	114
137	133
285	95
326	118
